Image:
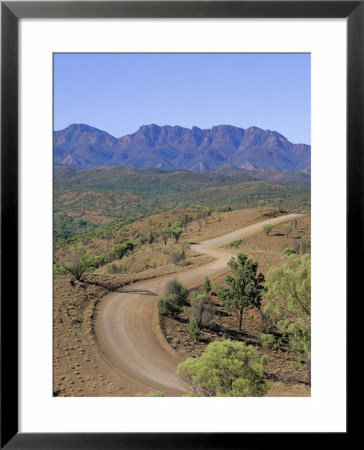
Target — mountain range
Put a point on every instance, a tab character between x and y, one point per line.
225	148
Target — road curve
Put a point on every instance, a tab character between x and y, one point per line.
127	326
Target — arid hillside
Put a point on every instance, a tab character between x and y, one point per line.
80	369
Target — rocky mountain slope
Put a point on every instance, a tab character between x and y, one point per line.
174	147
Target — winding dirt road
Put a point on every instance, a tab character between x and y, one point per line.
127	325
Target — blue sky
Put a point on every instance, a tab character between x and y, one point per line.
118	93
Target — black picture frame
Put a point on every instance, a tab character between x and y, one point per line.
11	12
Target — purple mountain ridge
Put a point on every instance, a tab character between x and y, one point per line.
173	147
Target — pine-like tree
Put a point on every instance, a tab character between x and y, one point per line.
243	287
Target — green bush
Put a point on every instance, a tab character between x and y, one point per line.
193	329
268	228
288	251
207	285
152	394
268	340
121	250
223	208
176	287
58	270
287	301
226	369
197	296
170	306
235	244
92	262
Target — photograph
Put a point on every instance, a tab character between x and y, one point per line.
182	224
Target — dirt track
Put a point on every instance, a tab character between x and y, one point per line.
127	326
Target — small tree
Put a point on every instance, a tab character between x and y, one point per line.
193	329
268	228
287	301
261	205
151	237
185	219
121	250
76	264
244	287
279	202
226	369
165	234
176	232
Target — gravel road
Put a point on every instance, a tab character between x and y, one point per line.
127	326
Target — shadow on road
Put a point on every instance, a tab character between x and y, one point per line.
136	291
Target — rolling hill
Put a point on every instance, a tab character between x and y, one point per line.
109	193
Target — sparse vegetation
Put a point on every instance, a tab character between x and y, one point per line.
154	248
120	193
